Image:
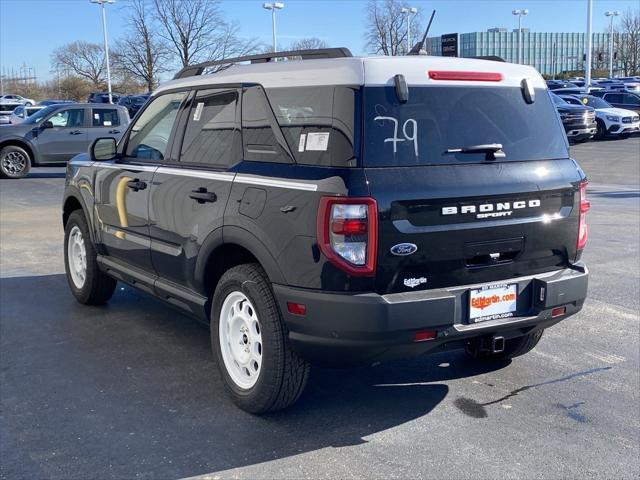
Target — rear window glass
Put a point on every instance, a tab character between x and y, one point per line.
317	122
436	119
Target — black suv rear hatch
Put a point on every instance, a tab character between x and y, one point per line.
473	217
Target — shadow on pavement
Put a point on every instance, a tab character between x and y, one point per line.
130	390
46	174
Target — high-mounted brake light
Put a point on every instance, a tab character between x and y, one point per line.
465	76
347	230
582	223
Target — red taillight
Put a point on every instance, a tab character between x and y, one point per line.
582	223
465	76
425	335
348	233
558	312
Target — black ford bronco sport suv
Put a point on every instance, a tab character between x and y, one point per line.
337	210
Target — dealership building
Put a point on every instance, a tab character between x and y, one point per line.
549	53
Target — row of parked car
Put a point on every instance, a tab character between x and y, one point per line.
608	108
15	108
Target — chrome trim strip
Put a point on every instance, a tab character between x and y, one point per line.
185	172
125	167
270	182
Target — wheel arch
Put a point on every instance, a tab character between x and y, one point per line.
73	201
227	247
22	144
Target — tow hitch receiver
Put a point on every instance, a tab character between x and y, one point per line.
497	345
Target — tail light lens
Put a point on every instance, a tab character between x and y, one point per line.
584	208
348	233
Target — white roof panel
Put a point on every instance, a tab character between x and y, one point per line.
360	71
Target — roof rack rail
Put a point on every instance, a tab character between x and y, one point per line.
317	53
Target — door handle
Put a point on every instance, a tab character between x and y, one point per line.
136	185
75	132
202	196
114	131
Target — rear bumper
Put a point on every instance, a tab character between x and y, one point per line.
346	329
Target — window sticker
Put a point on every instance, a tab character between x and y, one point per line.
96	116
301	144
107	123
317	142
198	113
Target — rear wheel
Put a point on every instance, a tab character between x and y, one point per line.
249	339
14	162
513	347
87	283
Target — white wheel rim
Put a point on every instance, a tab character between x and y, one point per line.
240	336
77	257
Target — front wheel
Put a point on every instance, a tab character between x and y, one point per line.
88	284
14	162
249	339
601	131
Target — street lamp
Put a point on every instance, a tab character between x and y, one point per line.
520	14
409	11
611	14
106	44
273	7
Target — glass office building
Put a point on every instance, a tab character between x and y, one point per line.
547	52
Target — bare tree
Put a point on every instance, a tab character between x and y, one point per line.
386	32
141	54
197	31
627	42
83	59
309	43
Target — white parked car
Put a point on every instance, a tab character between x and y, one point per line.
21	113
610	121
8	103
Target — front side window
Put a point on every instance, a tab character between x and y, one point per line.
105	117
631	99
212	136
149	135
72	118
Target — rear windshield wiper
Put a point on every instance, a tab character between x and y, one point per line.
492	150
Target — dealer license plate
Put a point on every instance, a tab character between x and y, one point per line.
492	302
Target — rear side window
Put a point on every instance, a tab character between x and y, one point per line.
437	119
259	138
317	123
613	98
150	132
105	117
212	136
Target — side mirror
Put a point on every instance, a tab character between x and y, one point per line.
47	124
103	149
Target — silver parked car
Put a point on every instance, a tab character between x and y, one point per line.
57	133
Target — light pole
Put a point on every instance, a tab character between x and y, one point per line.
587	68
106	44
409	11
520	13
273	7
611	14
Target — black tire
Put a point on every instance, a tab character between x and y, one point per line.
98	287
601	131
15	162
513	347
283	375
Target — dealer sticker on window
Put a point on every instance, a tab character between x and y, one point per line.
492	302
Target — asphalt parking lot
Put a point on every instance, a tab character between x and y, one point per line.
130	390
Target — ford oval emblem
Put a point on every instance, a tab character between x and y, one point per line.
403	249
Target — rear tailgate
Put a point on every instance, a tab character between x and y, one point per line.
473	223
